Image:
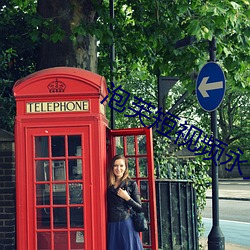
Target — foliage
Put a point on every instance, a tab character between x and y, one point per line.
233	122
145	36
17	55
191	169
148	31
16	26
234	117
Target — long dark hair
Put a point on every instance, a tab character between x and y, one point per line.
111	175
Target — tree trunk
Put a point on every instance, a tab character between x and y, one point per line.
75	49
223	173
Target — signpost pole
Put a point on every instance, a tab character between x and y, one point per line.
216	239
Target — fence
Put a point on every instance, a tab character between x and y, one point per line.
176	209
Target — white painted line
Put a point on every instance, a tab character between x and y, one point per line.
239	222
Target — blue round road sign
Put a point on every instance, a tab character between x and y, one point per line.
210	86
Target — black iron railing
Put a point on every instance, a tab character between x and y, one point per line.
176	211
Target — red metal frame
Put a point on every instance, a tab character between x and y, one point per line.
135	132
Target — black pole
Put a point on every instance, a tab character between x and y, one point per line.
112	59
216	239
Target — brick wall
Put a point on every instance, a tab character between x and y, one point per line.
7	192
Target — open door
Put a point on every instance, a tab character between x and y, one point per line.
136	145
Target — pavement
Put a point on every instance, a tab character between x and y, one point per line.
229	194
228	246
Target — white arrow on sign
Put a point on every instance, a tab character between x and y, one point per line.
204	86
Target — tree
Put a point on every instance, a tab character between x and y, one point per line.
17	54
68	40
156	26
148	30
234	117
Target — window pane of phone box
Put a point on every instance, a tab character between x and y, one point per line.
76	217
74	145
77	240
44	240
41	146
42	171
58	171
75	169
58	146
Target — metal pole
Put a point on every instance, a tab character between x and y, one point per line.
216	239
112	59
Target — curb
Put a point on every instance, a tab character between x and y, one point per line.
230	198
234	180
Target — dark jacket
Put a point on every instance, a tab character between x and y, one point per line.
118	208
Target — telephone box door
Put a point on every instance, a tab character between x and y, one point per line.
59	188
136	145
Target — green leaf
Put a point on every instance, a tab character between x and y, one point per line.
194	28
235	5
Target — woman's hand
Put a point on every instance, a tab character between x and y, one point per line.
123	194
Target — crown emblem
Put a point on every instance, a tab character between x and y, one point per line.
56	86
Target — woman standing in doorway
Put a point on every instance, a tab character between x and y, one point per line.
122	195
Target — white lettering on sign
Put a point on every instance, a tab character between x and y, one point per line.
49	107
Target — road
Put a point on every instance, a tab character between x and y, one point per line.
233	212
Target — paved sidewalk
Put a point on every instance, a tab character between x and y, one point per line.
228	246
232	194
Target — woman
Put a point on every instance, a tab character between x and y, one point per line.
122	195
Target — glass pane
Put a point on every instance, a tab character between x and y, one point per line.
75	169
58	146
43	218
145	209
46	195
130	145
43	241
42	170
58	171
60	217
143	164
74	145
144	190
61	240
142	144
75	193
77	240
41	146
40	194
146	237
131	167
59	194
119	145
76	217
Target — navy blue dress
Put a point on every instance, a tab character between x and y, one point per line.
121	231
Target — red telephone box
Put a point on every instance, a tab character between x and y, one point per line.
61	159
